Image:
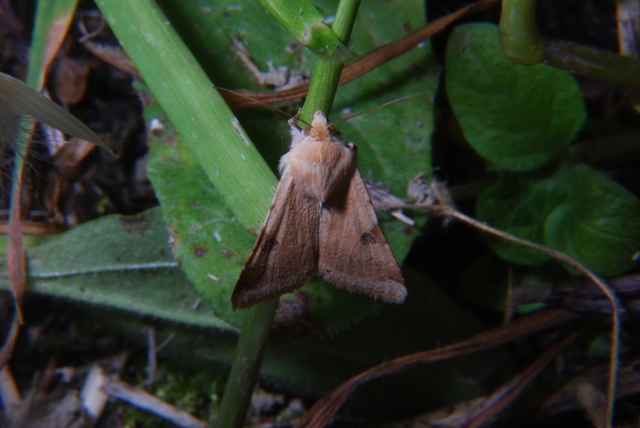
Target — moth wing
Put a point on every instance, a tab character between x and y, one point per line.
286	252
354	254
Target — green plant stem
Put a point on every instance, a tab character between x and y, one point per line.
593	63
307	25
207	126
519	37
246	366
254	335
326	74
522	43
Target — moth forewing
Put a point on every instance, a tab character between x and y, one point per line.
354	254
285	254
321	221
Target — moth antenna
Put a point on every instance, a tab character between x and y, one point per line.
377	107
263	104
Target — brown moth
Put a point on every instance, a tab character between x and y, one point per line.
321	221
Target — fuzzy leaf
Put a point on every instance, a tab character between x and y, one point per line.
118	262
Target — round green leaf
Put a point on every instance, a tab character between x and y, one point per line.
572	209
517	117
520	204
599	224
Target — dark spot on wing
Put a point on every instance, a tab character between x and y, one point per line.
200	251
367	238
270	245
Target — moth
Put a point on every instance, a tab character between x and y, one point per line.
321	221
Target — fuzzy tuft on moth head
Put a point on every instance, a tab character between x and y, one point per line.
319	129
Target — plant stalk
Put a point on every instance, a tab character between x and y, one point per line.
519	37
326	75
255	331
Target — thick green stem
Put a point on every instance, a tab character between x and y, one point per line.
522	44
519	37
326	75
210	130
246	367
306	24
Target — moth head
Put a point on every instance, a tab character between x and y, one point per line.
319	129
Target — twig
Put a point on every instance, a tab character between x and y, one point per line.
165	342
151	355
9	392
577	293
94	399
145	401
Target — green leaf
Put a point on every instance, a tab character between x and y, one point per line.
208	241
574	210
49	29
16	96
520	204
599	224
197	110
393	142
119	262
517	117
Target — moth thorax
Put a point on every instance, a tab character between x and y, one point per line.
319	166
320	133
